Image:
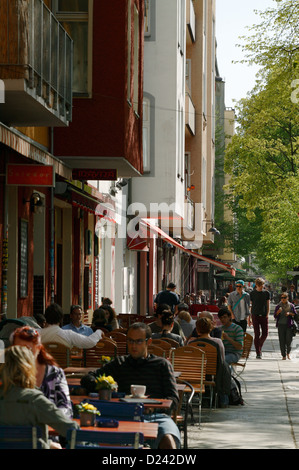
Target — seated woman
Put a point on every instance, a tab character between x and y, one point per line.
167	322
111	316
21	403
187	323
50	378
99	320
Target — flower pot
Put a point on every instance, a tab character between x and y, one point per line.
87	419
105	394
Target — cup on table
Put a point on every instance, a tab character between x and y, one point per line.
138	391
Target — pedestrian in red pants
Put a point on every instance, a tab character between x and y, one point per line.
260	309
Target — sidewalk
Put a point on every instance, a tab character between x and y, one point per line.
270	417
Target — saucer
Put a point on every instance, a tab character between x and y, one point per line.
134	396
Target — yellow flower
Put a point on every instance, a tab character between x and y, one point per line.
106	383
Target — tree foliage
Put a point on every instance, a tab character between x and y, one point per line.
263	157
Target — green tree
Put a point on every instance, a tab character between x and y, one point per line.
263	157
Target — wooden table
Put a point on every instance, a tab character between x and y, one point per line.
149	430
79	371
165	404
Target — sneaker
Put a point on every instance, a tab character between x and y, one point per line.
259	356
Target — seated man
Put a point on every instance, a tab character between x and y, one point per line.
154	372
76	324
53	333
232	336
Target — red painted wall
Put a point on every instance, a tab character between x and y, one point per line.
105	124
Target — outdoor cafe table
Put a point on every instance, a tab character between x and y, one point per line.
161	403
149	430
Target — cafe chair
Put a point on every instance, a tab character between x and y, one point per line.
171	341
104	347
121	342
120	410
239	367
165	345
181	414
83	439
61	353
191	362
211	367
156	350
20	437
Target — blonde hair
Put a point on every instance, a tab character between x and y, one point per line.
183	315
259	281
18	368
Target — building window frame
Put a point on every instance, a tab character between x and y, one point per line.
67	17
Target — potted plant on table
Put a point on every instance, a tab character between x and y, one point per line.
88	414
105	385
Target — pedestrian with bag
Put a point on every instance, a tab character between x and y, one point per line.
285	314
239	305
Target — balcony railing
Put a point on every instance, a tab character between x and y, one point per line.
36	48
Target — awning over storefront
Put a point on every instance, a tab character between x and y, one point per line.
147	230
92	205
21	144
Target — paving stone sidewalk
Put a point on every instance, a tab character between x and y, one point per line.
270	417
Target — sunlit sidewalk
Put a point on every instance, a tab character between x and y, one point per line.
270	417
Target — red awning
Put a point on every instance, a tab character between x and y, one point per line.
94	206
152	229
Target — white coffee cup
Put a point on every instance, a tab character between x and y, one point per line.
138	391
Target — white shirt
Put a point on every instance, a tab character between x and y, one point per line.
53	333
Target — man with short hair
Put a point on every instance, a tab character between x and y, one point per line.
232	336
156	373
54	333
259	317
168	297
76	324
239	305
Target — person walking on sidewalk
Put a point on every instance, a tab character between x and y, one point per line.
284	314
259	317
239	305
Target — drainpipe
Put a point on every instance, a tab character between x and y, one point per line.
4	287
52	230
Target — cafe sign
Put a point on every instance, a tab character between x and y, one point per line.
30	175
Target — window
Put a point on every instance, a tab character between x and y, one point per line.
75	17
146	135
147	22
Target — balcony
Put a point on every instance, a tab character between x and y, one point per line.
190	114
190	16
35	66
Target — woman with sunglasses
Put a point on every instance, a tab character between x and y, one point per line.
50	378
285	314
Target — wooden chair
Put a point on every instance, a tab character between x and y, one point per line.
61	353
81	439
211	367
191	362
20	437
104	347
119	410
165	345
120	340
156	350
171	341
248	340
181	419
76	357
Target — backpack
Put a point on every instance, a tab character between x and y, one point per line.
235	396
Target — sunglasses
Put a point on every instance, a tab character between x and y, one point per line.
284	297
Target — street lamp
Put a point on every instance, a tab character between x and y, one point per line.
212	229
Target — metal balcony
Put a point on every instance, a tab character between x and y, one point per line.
36	66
